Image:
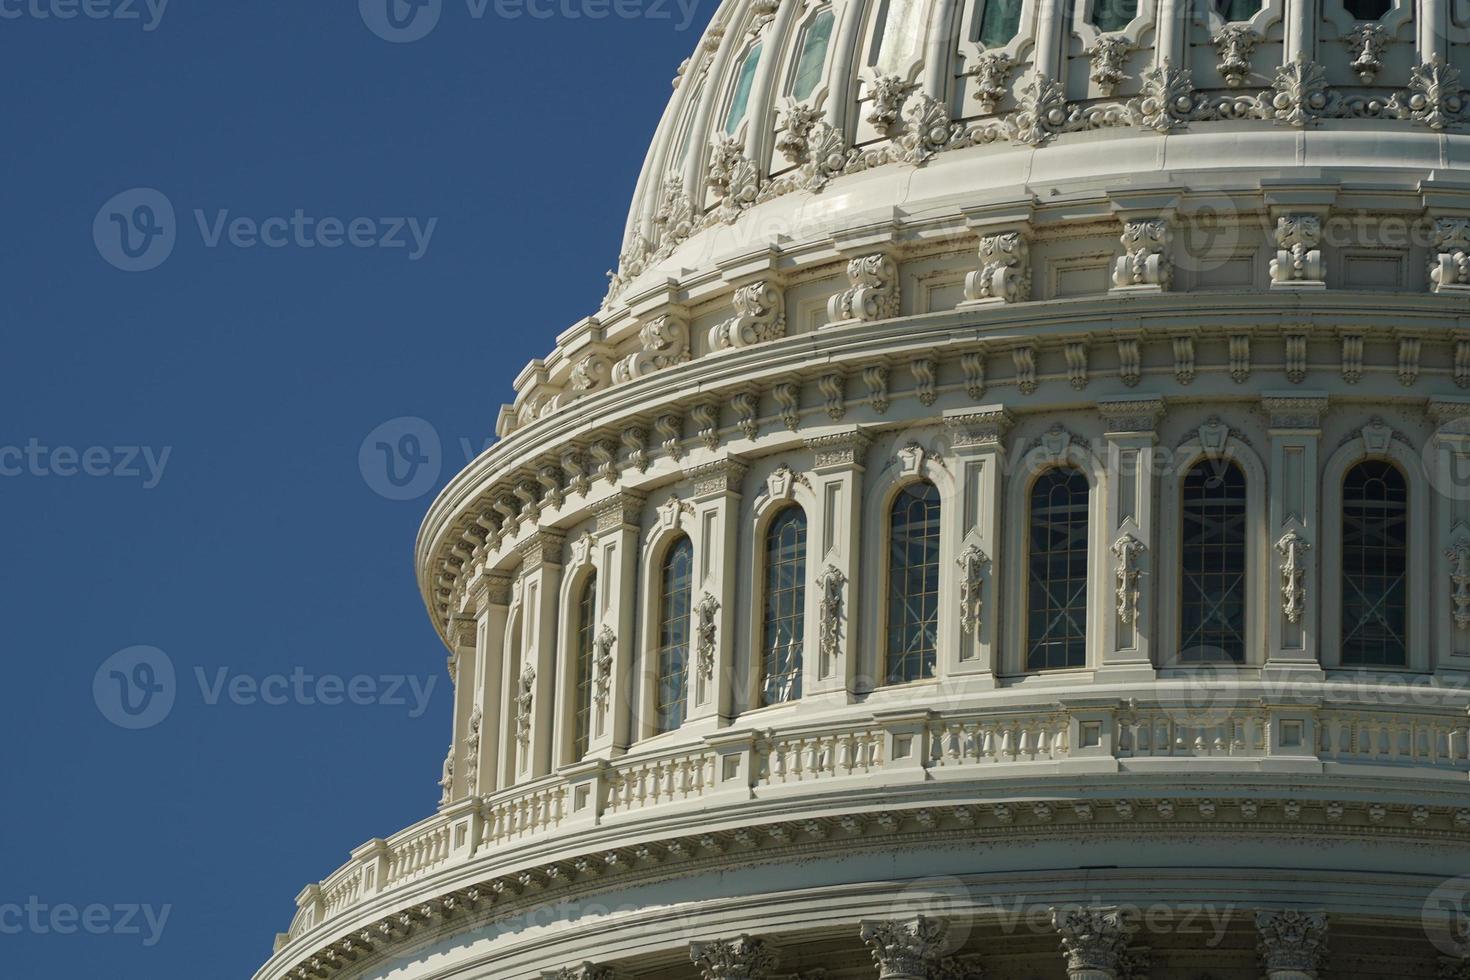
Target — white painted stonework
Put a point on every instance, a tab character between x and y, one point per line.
1115	246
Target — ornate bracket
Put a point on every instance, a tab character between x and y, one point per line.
972	562
760	316
1145	260
1299	251
1293	549
1127	549
707	608
1449	270
1005	270
873	294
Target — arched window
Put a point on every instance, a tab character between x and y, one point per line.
1367	9
740	98
1375	562
1212	585
686	129
899	37
1237	10
1056	593
913	583
813	58
672	689
586	624
785	607
1113	15
999	22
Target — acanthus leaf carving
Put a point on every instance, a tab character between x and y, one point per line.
1436	96
1093	939
664	342
1299	95
1292	941
1233	46
832	584
873	293
930	129
906	947
1449	270
886	95
992	72
733	177
1127	550
1145	261
1459	555
1299	254
760	316
1108	54
707	609
1367	44
741	958
1004	275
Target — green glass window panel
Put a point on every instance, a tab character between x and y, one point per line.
1114	15
999	22
740	101
1237	9
813	55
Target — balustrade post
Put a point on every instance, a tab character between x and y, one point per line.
1128	610
833	555
976	442
535	700
372	857
716	535
1292	944
1294	586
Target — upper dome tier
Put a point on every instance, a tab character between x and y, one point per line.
782	98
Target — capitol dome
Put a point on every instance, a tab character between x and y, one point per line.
1008	518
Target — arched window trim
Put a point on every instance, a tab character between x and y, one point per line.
507	764
869	602
1208	18
1257	558
721	121
1329	600
1335	15
664	531
585	565
1088	33
580	713
1016	559
764	513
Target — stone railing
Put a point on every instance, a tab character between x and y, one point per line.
893	747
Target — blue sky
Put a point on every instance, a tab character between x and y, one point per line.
179	447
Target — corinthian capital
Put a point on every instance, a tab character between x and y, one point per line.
1292	943
741	958
1093	940
906	949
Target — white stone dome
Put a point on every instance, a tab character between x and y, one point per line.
1010	510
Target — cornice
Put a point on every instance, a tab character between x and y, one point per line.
481	894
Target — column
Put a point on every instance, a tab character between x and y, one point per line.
976	442
1292	944
613	690
535	695
712	668
466	725
1128	611
1294	532
833	548
1094	941
906	949
741	958
491	599
582	971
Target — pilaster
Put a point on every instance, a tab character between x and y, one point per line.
541	571
615	639
1129	612
1294	531
834	548
976	438
712	667
491	598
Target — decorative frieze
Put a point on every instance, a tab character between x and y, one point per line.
839	449
622	509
